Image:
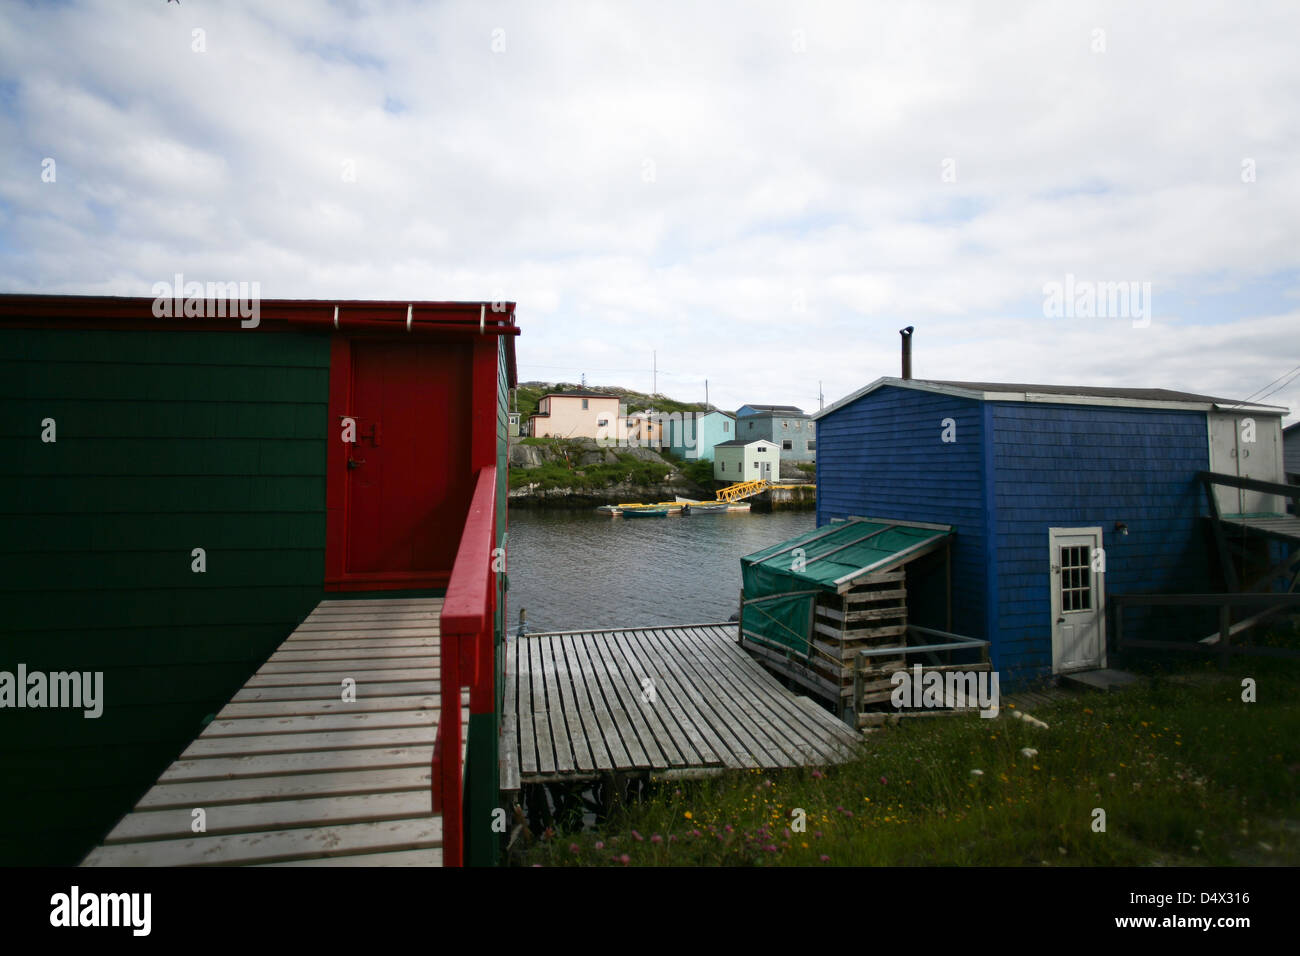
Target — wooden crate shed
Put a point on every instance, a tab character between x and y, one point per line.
811	605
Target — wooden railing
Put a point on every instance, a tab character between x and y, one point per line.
468	658
1220	643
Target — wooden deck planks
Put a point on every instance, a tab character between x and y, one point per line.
712	706
291	773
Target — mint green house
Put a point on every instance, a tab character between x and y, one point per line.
693	435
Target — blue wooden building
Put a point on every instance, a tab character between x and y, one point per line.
1035	480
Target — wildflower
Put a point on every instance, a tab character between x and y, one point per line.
818	775
977	773
656	838
574	848
624	859
688	815
824	858
884	780
600	844
1029	752
638	837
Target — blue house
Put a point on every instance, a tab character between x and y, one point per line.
1057	496
785	425
694	435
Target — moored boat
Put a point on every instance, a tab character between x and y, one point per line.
646	511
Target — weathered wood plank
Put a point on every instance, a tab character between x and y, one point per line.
555	709
300	708
645	660
214	768
644	698
312	723
695	721
742	749
541	717
369	738
621	720
273	815
335	691
748	707
273	845
209	793
429	857
801	738
334	678
593	731
582	759
527	737
601	709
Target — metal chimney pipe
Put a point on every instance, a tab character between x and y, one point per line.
907	352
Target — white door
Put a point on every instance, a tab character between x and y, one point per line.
1249	447
1078	599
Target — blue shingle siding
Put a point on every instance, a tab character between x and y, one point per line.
882	456
1082	466
1015	471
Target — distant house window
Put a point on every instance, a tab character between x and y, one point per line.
584	404
724	465
602	421
812	444
726	427
787	445
751	426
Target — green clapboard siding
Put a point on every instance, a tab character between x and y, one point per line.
167	442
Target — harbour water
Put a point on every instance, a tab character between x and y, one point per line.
579	569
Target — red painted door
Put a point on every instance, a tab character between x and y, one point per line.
408	484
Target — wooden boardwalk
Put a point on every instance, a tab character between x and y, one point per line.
667	700
289	773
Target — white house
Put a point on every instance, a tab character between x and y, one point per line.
741	460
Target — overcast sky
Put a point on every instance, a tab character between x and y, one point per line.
763	193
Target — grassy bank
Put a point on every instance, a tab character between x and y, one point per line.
1185	771
558	474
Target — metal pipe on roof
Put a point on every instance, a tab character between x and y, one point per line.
907	352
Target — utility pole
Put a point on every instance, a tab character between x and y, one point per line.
821	399
706	394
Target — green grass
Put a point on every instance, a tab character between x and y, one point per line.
1186	773
558	474
810	467
699	472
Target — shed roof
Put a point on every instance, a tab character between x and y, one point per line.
359	316
1061	394
737	442
838	553
775	409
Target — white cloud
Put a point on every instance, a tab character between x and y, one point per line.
779	177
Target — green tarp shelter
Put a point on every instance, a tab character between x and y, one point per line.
781	583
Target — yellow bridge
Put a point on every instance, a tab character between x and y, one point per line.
746	489
742	489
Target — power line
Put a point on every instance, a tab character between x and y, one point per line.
1278	379
1296	374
